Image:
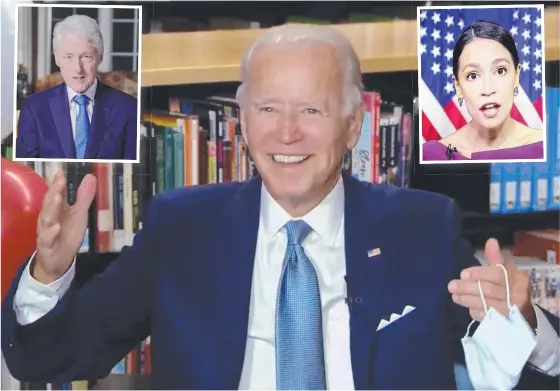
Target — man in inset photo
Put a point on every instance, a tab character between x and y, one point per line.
81	118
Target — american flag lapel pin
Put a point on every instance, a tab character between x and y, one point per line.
373	252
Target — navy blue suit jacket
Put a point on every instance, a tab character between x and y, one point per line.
186	281
44	127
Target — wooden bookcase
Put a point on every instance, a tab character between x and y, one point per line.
214	56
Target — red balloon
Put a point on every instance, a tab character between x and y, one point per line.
23	191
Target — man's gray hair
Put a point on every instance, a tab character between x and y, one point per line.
80	25
309	33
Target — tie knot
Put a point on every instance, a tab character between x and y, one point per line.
81	100
297	231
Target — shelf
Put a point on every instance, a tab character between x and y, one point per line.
478	227
214	56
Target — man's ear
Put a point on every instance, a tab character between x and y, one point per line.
355	126
56	59
243	123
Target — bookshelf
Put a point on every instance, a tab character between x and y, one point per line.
214	56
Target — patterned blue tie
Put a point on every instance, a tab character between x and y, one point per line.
299	331
82	125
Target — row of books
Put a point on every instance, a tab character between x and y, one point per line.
75	385
383	153
137	362
526	187
538	253
523	187
545	286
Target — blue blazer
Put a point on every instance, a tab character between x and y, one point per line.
44	128
186	281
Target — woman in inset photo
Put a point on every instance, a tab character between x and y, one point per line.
486	76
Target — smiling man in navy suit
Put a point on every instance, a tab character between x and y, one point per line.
80	118
280	282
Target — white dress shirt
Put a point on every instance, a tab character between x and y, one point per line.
75	109
324	247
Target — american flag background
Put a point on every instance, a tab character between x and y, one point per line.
440	29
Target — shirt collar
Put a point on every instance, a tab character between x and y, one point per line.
90	92
325	219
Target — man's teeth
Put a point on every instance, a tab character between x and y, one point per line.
289	158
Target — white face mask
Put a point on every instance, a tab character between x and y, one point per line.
500	347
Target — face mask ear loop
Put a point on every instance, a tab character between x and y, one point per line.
507	286
469	328
485	309
482	297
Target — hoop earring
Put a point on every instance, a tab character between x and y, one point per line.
460	101
515	91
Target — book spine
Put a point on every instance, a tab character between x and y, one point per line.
509	189
539	186
524	187
496	188
119	238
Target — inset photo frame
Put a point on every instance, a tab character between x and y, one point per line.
77	83
481	78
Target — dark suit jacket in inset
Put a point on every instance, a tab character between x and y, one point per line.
186	281
44	127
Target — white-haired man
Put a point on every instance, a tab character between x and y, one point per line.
283	282
80	118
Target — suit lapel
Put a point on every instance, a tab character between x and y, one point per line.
100	120
60	110
366	267
238	245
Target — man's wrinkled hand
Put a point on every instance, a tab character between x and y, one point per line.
465	291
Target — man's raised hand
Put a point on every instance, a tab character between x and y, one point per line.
61	228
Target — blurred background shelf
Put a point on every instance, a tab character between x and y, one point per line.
123	382
214	56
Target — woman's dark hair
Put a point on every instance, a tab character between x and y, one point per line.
486	30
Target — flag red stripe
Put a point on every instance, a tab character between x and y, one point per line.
428	131
538	107
454	115
516	115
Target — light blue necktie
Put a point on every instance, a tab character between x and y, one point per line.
82	125
299	331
